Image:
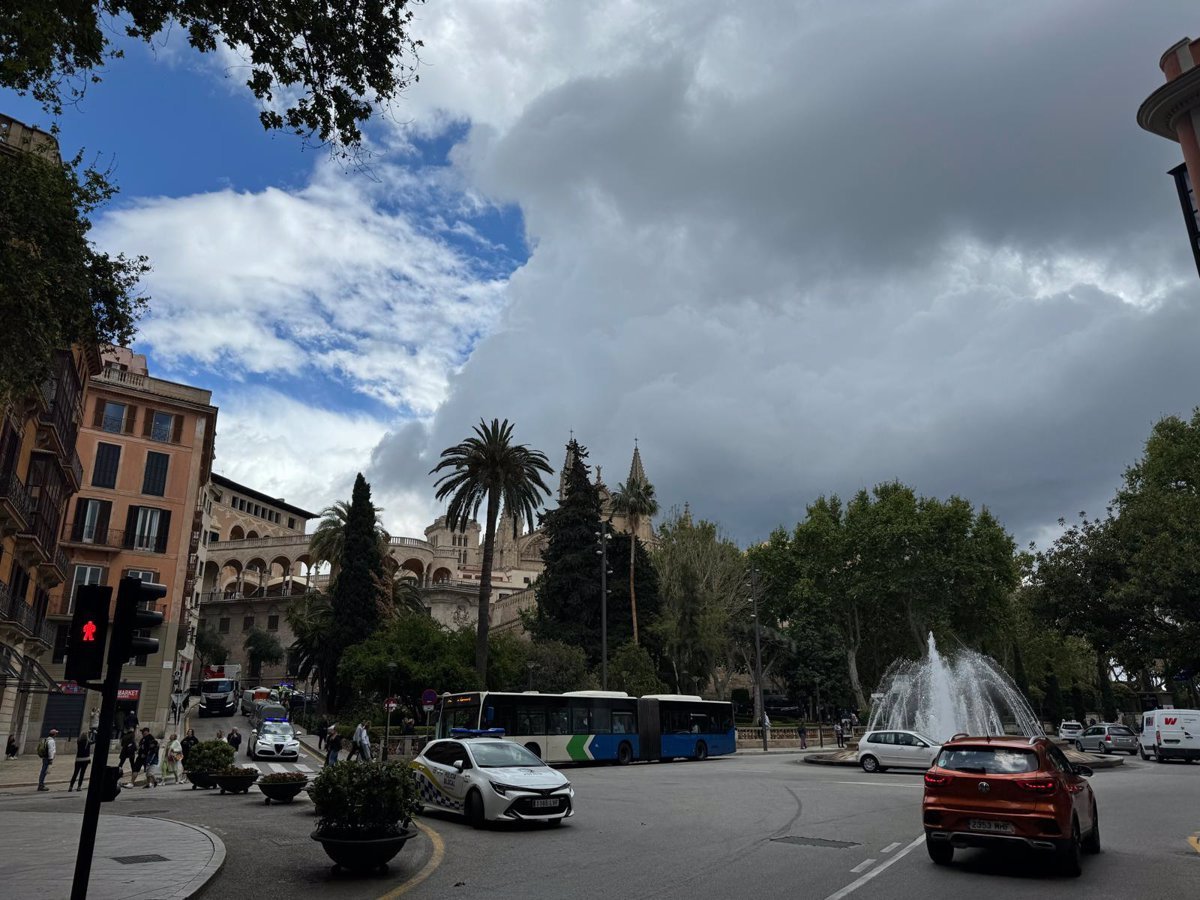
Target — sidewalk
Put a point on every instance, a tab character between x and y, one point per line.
136	858
23	771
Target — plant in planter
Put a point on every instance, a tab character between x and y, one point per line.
364	812
236	780
205	760
282	787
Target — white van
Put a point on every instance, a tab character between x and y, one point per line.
1170	734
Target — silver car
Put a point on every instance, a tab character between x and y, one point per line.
1107	739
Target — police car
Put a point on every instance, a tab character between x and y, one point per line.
486	778
274	739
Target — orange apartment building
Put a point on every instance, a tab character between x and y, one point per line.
146	447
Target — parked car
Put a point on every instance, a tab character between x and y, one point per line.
879	751
1107	738
267	710
1069	730
490	779
1002	792
250	696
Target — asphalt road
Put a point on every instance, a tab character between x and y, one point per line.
753	826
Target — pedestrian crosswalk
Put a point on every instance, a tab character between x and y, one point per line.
268	768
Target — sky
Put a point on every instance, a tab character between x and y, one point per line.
791	248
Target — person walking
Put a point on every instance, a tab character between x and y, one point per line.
189	741
47	750
766	726
362	741
333	744
840	733
10	747
83	756
234	740
322	731
220	735
149	750
174	759
802	731
128	751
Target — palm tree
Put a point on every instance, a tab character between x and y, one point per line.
328	541
635	501
311	620
509	476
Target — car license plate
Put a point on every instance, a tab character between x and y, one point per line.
990	826
544	803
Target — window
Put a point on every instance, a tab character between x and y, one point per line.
214	536
114	417
272	623
223	625
91	521
142	574
291	522
247	623
18	582
61	630
84	575
108	457
162	426
147	528
154	481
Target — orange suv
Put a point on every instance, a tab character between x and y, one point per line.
1006	791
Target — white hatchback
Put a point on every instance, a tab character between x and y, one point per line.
1069	730
882	750
489	779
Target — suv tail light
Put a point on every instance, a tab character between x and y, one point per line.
1108	738
932	779
1037	785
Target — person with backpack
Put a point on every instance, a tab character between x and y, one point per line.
83	756
148	750
47	749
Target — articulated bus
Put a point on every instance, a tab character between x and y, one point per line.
597	726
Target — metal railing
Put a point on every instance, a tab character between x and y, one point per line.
15	492
14	609
76	469
79	533
411	542
62	562
283	540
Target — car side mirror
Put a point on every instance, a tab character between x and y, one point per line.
459	764
1085	771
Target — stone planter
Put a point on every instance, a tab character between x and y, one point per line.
204	780
235	784
284	792
359	855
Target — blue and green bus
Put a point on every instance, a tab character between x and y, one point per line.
597	726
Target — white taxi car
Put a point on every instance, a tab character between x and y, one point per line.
881	750
491	779
273	740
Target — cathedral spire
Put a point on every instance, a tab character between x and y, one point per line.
567	464
636	472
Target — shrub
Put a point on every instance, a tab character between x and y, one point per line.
364	800
240	770
283	778
209	756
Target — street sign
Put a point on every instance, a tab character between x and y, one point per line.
390	704
429	699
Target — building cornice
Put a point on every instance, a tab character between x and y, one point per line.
1160	112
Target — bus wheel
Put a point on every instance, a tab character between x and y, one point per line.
701	750
624	754
534	748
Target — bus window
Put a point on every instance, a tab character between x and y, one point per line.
504	714
581	722
557	720
602	719
623	722
531	720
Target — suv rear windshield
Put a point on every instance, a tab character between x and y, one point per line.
988	760
1120	729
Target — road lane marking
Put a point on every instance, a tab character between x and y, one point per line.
890	847
863	879
277	767
435	860
882	784
865	864
301	767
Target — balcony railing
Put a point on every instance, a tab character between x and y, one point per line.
411	542
283	540
13	492
14	609
102	538
297	589
62	562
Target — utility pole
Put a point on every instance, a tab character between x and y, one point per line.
762	710
603	537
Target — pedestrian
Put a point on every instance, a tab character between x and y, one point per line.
174	759
234	739
803	732
131	720
47	750
840	733
189	741
333	743
766	726
322	731
853	720
83	756
128	751
10	747
362	741
148	749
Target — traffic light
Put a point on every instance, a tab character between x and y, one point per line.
89	628
132	616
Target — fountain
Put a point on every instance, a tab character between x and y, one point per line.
940	696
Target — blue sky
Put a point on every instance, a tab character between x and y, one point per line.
795	248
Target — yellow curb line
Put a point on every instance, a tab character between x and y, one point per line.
439	851
1194	840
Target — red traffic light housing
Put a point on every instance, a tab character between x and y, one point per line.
131	617
89	629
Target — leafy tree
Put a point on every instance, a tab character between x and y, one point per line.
1108	702
1053	708
1078	705
1020	678
559	667
568	590
209	650
56	289
262	649
332	63
635	500
508	476
311	619
632	670
328	541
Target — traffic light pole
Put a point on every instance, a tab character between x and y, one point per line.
91	805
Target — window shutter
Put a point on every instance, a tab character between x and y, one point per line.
164	529
98	418
102	522
177	429
130	418
148	422
103	575
80	516
130	526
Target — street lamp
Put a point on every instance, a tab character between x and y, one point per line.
762	710
387	728
530	666
603	537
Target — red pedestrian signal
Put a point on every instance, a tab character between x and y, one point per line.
89	628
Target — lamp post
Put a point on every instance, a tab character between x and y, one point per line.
530	666
762	710
603	537
387	728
